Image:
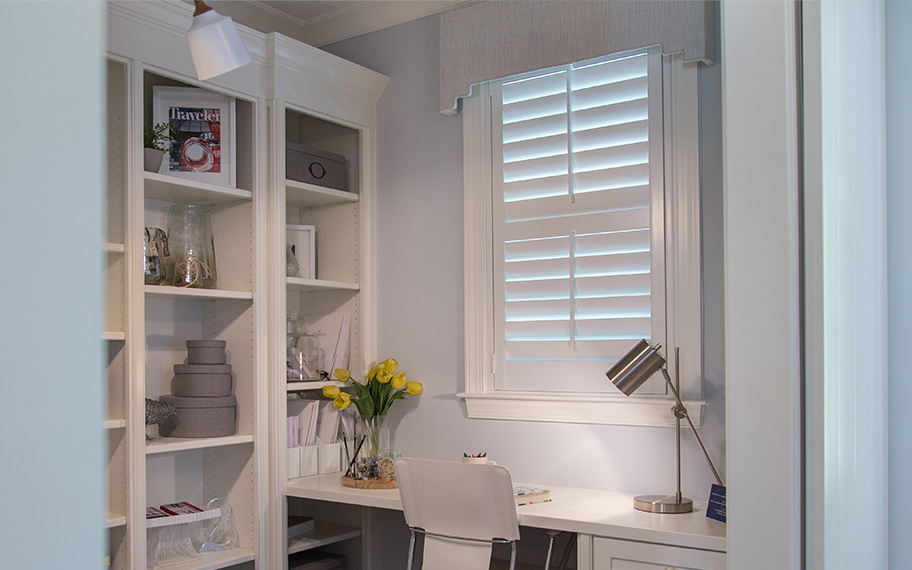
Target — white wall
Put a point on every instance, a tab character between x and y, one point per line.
899	204
420	293
762	285
51	160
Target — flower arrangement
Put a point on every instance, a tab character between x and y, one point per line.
383	386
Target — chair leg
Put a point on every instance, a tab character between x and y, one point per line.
552	534
411	553
513	555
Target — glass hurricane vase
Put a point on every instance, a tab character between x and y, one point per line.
376	434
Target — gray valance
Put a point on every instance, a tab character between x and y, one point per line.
499	38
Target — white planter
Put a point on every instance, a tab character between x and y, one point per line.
152	159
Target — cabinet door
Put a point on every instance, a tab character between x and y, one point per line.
612	554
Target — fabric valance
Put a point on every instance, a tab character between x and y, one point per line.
499	38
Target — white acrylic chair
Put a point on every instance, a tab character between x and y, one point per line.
462	509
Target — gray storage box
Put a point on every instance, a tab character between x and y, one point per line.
206	352
315	166
201	417
201	380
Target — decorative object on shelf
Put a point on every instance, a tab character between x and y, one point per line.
155	250
373	399
305	358
157	413
333	335
315	166
628	374
302	243
222	533
169	532
215	44
292	267
191	245
202	398
201	142
156	139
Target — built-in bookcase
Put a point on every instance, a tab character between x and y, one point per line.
290	92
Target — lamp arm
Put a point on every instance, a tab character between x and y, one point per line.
692	427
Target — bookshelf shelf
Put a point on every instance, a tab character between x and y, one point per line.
324	533
184	191
311	285
172	444
168	292
304	195
113	520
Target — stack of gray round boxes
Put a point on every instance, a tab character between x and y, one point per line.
202	393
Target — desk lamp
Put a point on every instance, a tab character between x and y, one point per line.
215	44
628	374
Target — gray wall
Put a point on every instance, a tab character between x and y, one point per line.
899	204
420	292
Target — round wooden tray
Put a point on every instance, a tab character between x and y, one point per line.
368	483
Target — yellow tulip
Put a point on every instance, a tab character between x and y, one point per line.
331	391
383	376
398	381
342	374
413	387
391	365
342	401
373	372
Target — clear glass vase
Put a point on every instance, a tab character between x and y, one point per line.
190	241
377	436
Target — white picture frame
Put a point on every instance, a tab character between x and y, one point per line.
303	240
203	133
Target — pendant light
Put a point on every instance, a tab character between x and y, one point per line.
214	42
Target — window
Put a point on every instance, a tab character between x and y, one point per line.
582	237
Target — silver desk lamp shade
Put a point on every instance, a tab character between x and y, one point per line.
215	44
628	374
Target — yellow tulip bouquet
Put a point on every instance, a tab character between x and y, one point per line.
383	386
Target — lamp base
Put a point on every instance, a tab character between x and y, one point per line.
662	504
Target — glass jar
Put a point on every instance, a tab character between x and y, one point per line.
155	250
190	241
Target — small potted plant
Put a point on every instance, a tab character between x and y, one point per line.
156	139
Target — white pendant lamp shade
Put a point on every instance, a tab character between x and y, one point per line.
215	44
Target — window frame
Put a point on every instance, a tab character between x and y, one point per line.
682	273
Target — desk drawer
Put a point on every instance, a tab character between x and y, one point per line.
614	554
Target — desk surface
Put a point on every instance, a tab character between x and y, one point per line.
586	511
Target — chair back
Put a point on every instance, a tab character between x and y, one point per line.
460	507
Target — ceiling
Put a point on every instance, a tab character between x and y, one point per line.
321	22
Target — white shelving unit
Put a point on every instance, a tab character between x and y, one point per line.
146	326
339	118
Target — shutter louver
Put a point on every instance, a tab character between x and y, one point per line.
578	265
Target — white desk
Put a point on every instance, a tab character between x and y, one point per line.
585	511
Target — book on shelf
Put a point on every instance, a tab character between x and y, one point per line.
178	513
531	495
298	525
153	513
181	508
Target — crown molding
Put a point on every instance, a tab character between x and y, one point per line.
369	17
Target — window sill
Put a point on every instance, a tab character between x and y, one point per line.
647	411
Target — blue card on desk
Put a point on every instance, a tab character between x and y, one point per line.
716	507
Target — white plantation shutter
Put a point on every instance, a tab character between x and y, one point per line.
578	222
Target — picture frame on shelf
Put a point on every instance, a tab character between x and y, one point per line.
202	133
302	240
